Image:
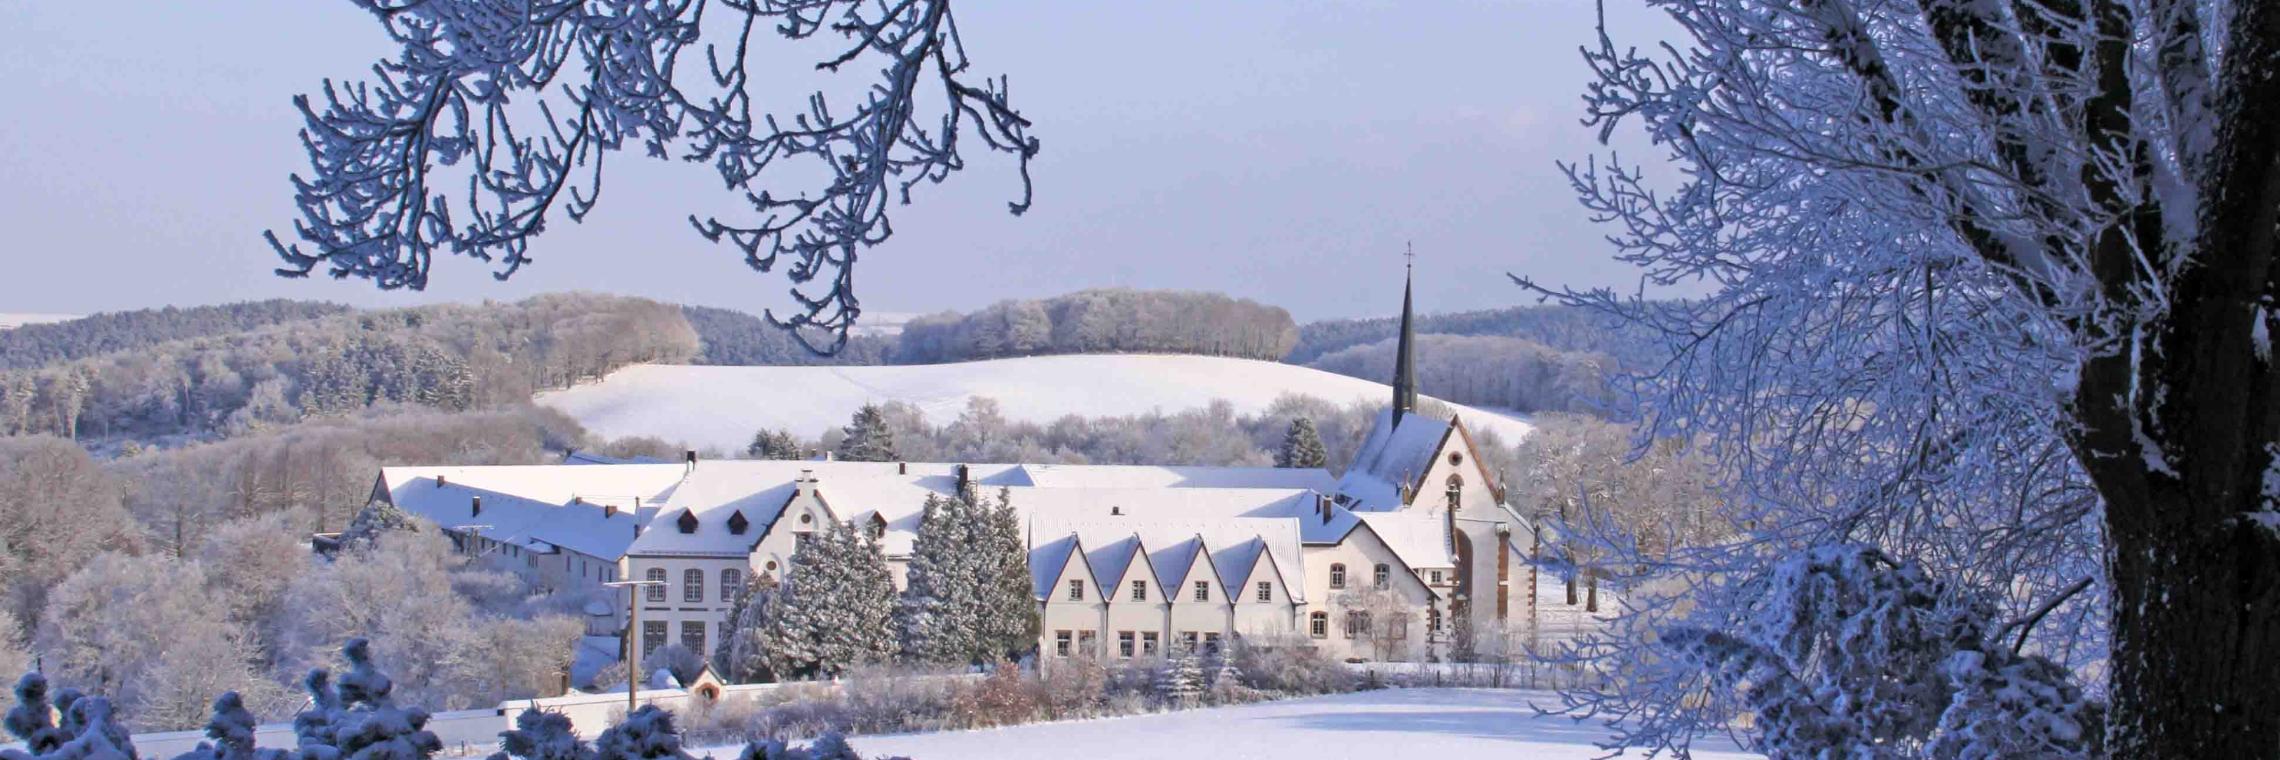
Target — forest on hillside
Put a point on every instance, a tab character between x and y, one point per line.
1562	328
39	345
1489	370
452	356
1113	320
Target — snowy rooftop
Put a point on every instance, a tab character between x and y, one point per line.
587	509
1392	456
1119	551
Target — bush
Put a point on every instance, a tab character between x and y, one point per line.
1005	698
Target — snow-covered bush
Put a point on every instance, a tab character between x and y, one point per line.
647	734
87	730
1074	688
232	733
541	735
1180	683
1005	698
357	719
1288	665
1853	654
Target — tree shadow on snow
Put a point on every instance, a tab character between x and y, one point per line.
1499	721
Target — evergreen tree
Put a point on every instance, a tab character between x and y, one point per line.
1009	622
744	656
1302	447
378	517
541	735
232	733
868	438
940	612
357	719
773	444
836	608
647	734
1180	682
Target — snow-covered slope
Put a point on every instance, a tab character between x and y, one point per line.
8	320
723	406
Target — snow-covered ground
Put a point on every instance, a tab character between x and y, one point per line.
8	320
723	406
1391	723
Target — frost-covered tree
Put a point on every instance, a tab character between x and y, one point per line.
379	516
647	734
742	656
519	105
542	735
1852	654
15	656
1180	682
97	634
867	437
357	718
773	444
1302	447
958	605
57	508
1994	289
836	607
86	731
231	733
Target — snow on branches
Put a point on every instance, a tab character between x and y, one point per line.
526	100
1852	654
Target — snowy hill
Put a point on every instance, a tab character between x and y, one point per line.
722	406
19	320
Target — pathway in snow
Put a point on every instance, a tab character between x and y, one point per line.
1391	723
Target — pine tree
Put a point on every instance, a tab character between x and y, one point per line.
1009	622
744	656
232	733
868	438
773	444
1180	682
88	731
940	611
1302	447
541	735
647	734
836	609
357	719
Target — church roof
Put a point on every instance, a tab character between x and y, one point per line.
1392	456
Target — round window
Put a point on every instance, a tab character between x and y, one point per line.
771	566
805	519
1456	457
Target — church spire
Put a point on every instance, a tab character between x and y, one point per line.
1405	357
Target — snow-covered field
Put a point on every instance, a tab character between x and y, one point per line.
723	406
1391	723
8	320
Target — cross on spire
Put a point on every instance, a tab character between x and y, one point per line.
1409	253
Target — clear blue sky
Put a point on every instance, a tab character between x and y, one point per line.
1281	151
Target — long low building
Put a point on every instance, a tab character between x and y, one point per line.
1377	563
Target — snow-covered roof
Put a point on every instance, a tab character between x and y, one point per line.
588	457
1391	457
537	507
1418	538
1140	476
1113	546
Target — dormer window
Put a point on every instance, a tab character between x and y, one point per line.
877	527
687	521
737	524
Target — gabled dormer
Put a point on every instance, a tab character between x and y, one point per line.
737	524
687	522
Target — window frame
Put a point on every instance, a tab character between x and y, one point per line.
693	585
1318	625
1203	591
1140	591
653	633
730	581
1266	593
655	591
1076	589
1151	643
1126	644
1063	640
1381	576
1337	575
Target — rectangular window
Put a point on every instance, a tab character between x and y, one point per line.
1149	644
1266	591
1061	641
1076	591
1203	591
693	636
1398	627
655	593
1211	644
1088	642
800	542
1124	641
652	636
731	584
692	585
1139	591
1187	641
1436	577
1357	623
1318	624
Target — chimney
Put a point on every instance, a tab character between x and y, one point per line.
902	468
1322	505
1115	511
965	477
439	481
475	506
689	458
609	510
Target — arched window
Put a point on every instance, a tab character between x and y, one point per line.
1456	489
1380	575
656	592
1318	624
877	527
692	585
1337	576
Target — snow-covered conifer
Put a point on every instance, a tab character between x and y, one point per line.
940	611
647	734
231	731
743	653
378	516
357	719
32	719
541	735
1180	683
1009	616
1302	446
773	444
868	438
836	607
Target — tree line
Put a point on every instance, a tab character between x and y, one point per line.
1559	327
39	345
1494	371
444	356
1112	320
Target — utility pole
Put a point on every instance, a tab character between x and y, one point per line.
632	643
